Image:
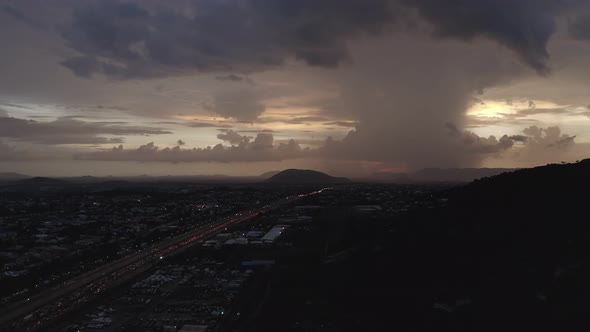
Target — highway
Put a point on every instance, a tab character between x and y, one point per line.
48	306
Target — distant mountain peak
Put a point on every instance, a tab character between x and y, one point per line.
43	180
296	176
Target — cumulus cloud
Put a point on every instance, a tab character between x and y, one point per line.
549	137
260	149
473	143
69	131
536	145
543	145
233	137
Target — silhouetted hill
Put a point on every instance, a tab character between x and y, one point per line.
10	176
508	252
39	180
296	176
518	241
426	175
552	187
456	174
267	175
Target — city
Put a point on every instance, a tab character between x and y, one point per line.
151	228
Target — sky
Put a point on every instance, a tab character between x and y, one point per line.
242	87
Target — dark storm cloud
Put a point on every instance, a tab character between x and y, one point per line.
260	149
128	39
234	78
220	35
83	66
579	27
69	131
524	26
20	16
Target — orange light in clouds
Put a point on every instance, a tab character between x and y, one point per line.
498	109
490	109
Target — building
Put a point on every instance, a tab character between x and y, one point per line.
273	234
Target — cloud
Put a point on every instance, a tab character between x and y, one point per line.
11	153
262	141
579	27
396	83
206	125
233	137
124	39
402	91
524	26
544	145
20	16
84	66
549	137
134	39
519	138
69	131
348	124
305	119
180	142
260	149
473	143
243	105
235	78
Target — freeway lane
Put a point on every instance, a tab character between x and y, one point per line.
54	303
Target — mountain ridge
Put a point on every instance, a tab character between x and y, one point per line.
295	176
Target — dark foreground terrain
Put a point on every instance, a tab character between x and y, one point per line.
508	252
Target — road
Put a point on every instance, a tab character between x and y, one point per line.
48	306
